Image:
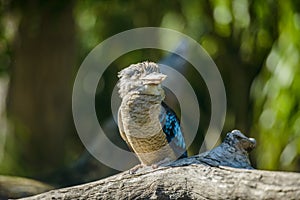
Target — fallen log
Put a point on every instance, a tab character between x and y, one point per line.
17	187
186	182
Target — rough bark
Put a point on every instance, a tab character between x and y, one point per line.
188	182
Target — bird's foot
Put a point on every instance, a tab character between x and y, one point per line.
136	168
161	163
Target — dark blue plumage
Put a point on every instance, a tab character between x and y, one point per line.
171	127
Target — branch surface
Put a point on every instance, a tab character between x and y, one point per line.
187	182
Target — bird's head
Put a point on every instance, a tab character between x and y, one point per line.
238	140
141	78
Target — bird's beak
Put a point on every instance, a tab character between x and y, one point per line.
154	78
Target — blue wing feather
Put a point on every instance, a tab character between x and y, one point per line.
171	127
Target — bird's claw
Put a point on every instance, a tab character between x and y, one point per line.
136	168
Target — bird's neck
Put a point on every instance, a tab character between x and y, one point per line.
141	114
133	99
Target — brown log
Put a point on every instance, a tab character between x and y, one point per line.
16	187
188	182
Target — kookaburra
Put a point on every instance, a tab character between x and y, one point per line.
150	128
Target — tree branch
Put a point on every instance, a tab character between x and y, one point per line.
188	182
